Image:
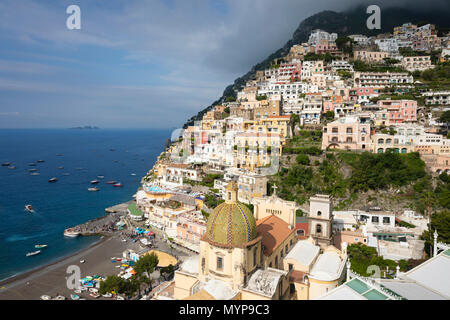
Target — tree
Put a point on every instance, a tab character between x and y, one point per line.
112	283
145	266
302	159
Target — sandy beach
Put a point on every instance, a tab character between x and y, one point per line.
51	279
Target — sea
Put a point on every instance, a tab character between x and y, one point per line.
121	155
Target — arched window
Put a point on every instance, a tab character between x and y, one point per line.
319	229
380	141
349	140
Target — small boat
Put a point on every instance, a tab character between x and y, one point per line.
46	297
94	295
111	182
107	295
70	233
52	180
94	181
100	177
32	170
93	189
29	208
74	297
6	164
133	174
29	254
11	167
60	298
32	164
34	174
66	174
40	246
82	261
118	185
60	167
120	298
40	161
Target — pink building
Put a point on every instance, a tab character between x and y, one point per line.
347	133
190	227
400	111
325	46
361	95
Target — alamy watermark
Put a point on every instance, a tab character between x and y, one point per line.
74	20
374	20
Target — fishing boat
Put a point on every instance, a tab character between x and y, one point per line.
71	233
93	189
40	246
46	297
6	164
118	185
52	180
74	297
29	208
29	254
94	181
111	182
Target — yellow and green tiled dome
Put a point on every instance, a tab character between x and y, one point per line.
231	224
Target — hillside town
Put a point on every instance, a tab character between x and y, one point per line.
253	236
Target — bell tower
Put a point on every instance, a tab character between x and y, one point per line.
320	219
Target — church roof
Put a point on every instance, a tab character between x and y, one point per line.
273	231
231	224
304	252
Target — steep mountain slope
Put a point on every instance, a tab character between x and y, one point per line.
343	23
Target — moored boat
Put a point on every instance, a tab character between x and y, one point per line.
111	182
60	167
32	164
71	233
11	167
40	246
40	161
29	208
32	170
100	177
118	185
34	174
6	164
94	181
46	297
29	254
52	180
93	189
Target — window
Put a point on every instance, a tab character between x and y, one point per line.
219	263
375	219
319	213
319	229
386	220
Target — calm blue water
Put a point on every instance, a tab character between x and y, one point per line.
67	202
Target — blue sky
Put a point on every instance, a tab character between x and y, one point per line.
134	63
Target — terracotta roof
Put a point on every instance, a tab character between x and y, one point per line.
273	231
178	165
296	276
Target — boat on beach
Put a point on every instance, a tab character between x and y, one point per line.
29	208
29	254
52	180
46	297
71	233
75	297
40	246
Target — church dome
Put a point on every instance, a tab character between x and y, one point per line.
231	224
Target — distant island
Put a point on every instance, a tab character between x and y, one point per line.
85	128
